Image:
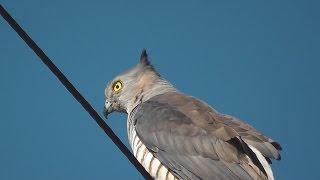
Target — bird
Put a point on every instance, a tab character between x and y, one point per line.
177	136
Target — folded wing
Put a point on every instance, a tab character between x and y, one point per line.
196	142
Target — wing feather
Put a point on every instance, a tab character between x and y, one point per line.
195	142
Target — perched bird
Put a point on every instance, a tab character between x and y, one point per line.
176	136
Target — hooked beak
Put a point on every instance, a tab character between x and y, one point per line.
107	109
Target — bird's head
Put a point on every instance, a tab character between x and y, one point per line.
134	86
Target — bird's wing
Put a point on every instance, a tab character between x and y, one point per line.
187	137
269	148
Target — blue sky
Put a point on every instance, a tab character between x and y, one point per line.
256	60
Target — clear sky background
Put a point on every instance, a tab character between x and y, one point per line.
256	60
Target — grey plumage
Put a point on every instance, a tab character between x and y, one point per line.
188	137
195	145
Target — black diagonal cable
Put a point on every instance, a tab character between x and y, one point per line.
75	93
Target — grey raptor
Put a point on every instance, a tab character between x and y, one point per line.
176	136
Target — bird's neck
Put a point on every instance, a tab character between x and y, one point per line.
159	86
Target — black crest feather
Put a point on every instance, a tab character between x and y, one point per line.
144	60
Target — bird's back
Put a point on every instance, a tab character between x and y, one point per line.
191	140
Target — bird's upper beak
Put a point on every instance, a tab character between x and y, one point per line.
107	108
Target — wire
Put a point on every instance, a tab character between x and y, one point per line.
75	93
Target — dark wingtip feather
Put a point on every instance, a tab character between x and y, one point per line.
276	145
244	148
268	160
279	157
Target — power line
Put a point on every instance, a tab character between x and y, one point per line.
75	93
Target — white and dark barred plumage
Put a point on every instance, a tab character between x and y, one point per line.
176	136
153	166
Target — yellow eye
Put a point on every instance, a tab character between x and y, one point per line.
117	86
